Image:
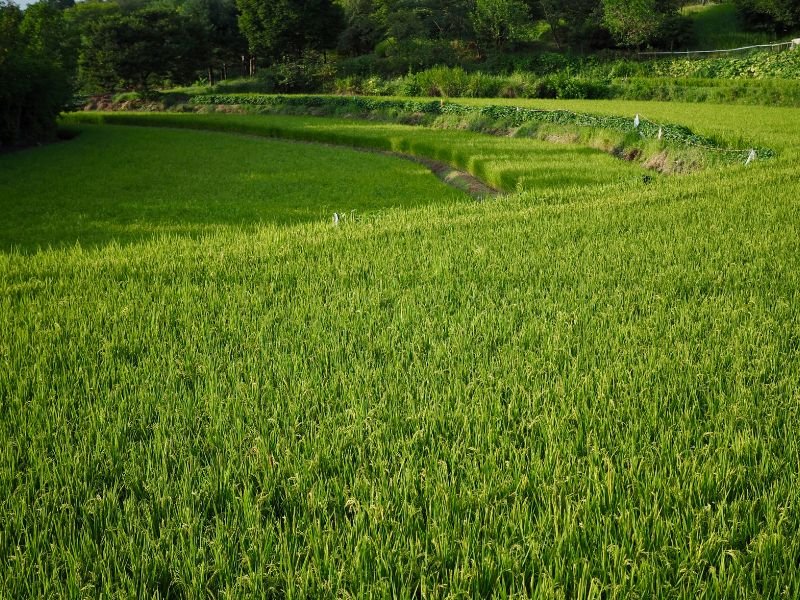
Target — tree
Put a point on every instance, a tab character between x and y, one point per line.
403	19
362	29
572	22
277	28
634	23
35	82
631	22
219	21
497	22
429	19
451	19
142	49
48	33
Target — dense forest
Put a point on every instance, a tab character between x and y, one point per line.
55	48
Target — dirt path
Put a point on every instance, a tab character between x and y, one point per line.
451	176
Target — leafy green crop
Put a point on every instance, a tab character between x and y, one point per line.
759	65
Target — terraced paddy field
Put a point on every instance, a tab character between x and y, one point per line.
587	387
776	127
125	184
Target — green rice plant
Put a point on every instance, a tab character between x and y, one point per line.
727	126
586	389
504	163
720	91
188	183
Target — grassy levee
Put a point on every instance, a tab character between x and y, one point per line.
586	392
655	144
484	116
740	126
505	163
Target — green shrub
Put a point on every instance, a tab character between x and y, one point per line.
481	85
263	84
578	88
543	87
516	85
409	86
309	73
347	85
126	97
361	66
443	81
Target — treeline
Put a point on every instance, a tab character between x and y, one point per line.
386	28
382	28
57	47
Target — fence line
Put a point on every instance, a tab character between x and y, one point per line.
789	45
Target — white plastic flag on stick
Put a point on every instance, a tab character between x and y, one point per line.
750	157
636	121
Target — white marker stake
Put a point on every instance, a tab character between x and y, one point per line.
335	218
660	132
750	157
636	121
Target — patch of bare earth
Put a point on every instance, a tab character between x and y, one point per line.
562	138
454	177
658	162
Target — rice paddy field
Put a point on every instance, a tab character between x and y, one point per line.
125	184
588	387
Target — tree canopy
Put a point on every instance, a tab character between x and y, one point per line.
280	28
142	48
34	70
771	15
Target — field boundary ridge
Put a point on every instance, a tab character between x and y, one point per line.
509	116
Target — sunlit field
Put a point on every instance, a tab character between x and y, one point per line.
125	184
585	387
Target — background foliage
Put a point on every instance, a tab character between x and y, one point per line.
34	72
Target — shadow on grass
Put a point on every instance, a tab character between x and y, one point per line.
126	184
